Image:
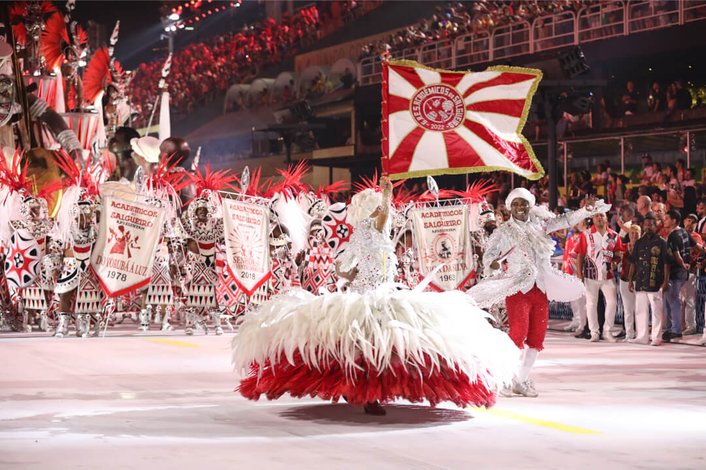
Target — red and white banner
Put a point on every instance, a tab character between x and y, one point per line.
441	236
444	122
128	236
246	228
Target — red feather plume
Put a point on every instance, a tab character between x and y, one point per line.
292	184
97	75
403	196
54	40
15	176
87	179
367	183
168	174
212	180
257	186
332	188
19	11
81	36
478	190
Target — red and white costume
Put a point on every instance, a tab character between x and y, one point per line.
570	266
528	281
598	251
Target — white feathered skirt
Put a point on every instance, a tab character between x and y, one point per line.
378	346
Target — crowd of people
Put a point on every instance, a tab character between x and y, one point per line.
459	18
646	256
201	71
672	97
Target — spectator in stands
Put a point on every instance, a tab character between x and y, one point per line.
644	205
656	100
647	169
659	210
701	212
649	276
617	188
623	220
656	173
690	198
671	98
586	184
683	96
347	79
597	252
671	172
628	296
680	172
629	99
679	243
575	194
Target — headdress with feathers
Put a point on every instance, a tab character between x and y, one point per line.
17	192
81	193
287	207
207	184
163	187
20	12
101	72
55	42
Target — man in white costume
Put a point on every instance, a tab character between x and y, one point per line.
518	255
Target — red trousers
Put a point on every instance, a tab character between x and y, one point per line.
527	315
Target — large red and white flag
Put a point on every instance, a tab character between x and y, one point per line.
444	122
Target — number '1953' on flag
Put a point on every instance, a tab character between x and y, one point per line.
444	122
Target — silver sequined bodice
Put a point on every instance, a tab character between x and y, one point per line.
373	254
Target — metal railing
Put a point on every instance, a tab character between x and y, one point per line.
552	31
593	23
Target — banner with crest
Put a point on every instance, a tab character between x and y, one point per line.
128	235
446	122
442	238
246	226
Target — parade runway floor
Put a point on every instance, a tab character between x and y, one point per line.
167	402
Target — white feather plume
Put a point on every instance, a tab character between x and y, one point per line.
294	218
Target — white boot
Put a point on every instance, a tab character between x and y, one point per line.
166	326
522	385
62	329
216	314
83	325
145	317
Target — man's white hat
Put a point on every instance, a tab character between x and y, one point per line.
147	147
521	193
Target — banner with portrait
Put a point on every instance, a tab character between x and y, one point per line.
128	236
246	226
442	238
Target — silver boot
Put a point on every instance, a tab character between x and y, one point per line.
62	329
83	325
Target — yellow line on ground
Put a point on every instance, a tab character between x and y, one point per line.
536	421
174	342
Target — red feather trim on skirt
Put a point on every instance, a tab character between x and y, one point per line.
416	383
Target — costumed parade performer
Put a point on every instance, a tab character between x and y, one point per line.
78	288
517	261
373	343
34	258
